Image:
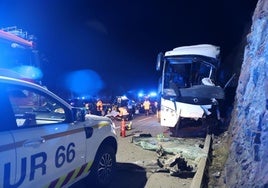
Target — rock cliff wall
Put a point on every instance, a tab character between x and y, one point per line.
247	164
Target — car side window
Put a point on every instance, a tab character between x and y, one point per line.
33	108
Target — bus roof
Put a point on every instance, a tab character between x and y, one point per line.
201	49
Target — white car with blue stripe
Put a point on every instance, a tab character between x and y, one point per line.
45	142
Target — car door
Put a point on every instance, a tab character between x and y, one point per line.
50	147
7	145
8	159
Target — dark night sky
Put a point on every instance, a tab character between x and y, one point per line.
121	39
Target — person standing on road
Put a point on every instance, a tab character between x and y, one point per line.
146	106
123	113
87	108
99	107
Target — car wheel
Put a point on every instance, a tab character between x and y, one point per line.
103	168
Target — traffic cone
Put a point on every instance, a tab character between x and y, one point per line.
123	128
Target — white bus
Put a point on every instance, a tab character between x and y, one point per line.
188	87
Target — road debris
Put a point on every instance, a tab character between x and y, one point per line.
190	149
176	156
176	166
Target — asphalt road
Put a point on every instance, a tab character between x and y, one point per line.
135	165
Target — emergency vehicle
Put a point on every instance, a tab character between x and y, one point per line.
188	88
19	56
45	142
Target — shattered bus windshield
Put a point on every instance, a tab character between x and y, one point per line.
187	71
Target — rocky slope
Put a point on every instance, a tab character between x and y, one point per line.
247	163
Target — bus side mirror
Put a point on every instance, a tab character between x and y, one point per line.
160	58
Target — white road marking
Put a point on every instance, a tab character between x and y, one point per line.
144	119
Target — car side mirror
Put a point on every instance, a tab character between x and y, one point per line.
79	114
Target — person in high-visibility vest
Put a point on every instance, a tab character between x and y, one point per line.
99	107
146	106
123	113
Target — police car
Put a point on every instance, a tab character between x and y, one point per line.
45	142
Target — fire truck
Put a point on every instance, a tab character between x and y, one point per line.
188	88
19	57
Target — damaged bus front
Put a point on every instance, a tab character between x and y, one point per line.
188	86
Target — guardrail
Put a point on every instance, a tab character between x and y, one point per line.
198	179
